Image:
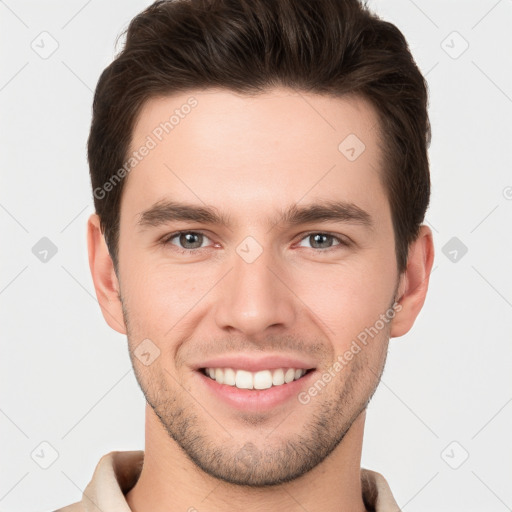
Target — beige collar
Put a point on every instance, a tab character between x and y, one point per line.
118	471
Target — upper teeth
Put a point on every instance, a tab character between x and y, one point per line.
263	379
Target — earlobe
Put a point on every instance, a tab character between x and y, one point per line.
414	282
104	277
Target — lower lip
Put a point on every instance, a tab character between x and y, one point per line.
256	400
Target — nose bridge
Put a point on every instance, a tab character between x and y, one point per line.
252	297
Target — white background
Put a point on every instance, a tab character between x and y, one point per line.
66	376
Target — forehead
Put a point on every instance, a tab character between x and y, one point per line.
250	151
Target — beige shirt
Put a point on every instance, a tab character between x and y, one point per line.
117	472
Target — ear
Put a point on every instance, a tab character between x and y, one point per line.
104	276
414	280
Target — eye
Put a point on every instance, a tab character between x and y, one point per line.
188	240
323	241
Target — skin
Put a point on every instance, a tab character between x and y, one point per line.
250	156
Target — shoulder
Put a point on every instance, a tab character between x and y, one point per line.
377	494
74	507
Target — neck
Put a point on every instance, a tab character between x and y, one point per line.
171	481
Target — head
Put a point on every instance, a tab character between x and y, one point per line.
260	178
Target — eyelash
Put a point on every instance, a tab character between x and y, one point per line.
167	241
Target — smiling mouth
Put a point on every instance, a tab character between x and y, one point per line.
263	379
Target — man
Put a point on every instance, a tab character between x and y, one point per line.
260	176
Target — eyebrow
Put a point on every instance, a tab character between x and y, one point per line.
166	211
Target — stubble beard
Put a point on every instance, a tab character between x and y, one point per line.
280	458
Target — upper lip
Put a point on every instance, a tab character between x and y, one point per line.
254	363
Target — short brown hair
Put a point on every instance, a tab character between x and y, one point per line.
329	47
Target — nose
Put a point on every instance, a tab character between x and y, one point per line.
255	296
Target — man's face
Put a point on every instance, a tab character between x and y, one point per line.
260	295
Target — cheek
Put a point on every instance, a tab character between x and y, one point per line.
159	296
348	299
